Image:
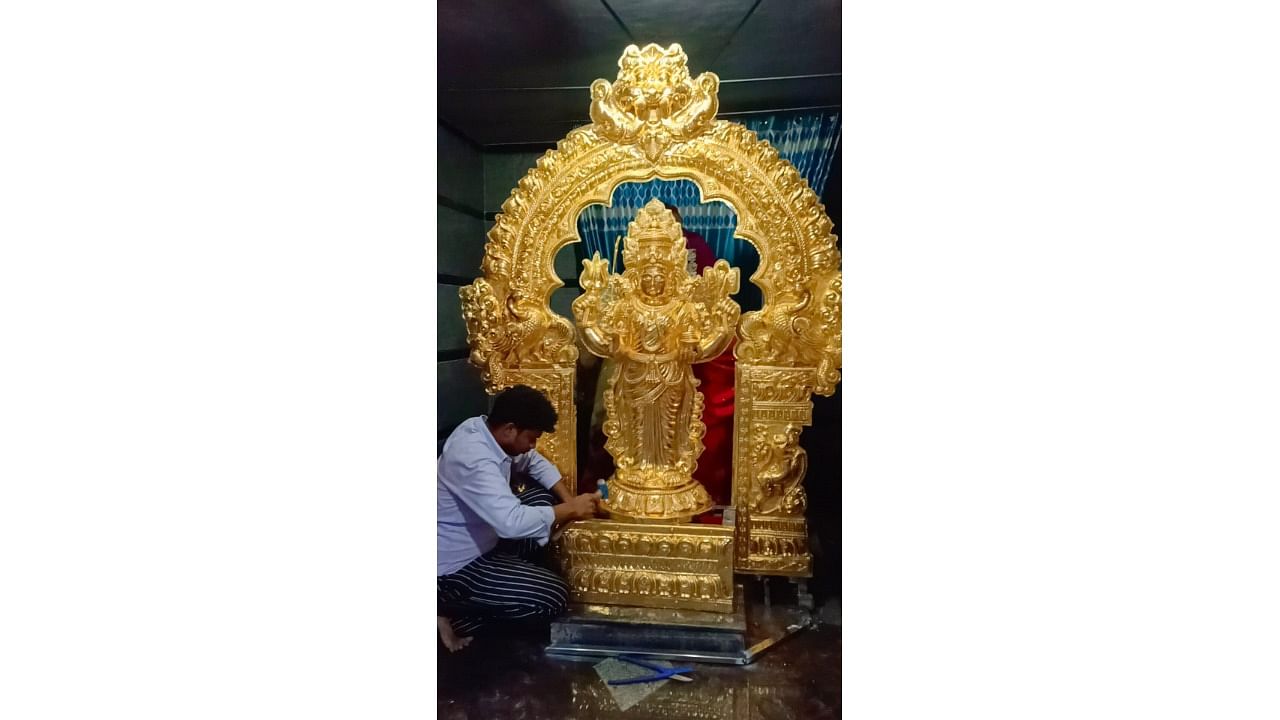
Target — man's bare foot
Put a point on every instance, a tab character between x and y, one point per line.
448	636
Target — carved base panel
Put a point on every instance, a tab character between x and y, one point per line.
775	546
679	566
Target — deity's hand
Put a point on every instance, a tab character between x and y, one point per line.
595	274
688	352
728	309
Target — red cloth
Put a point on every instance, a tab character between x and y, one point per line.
715	466
701	250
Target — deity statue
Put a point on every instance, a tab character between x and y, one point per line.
655	320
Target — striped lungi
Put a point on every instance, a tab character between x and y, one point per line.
504	583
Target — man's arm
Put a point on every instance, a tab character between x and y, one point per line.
543	472
480	485
561	490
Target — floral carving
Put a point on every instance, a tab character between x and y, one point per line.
683	566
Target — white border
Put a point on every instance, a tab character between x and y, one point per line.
1060	236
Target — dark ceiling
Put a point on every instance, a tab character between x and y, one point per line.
516	72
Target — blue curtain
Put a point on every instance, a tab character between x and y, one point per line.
806	140
600	227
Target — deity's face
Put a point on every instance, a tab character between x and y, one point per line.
653	281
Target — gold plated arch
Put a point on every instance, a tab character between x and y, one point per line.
656	121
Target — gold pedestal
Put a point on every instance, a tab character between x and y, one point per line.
679	566
661	501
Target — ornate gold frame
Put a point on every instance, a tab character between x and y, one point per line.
655	121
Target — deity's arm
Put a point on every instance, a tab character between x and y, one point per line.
719	322
717	342
595	308
599	341
689	342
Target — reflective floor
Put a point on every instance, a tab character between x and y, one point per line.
508	676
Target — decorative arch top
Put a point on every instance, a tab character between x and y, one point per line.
654	102
655	120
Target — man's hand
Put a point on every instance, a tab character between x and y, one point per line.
582	507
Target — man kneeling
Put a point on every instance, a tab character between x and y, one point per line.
488	534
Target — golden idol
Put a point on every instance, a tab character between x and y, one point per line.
654	320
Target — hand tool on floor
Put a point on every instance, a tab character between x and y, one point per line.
662	673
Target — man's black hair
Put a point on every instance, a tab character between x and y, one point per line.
528	408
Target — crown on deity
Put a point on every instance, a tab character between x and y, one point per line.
654	236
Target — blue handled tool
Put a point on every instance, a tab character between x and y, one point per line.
662	673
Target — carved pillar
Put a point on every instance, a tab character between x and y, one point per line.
772	406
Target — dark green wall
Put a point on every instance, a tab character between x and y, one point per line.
461	227
473	184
